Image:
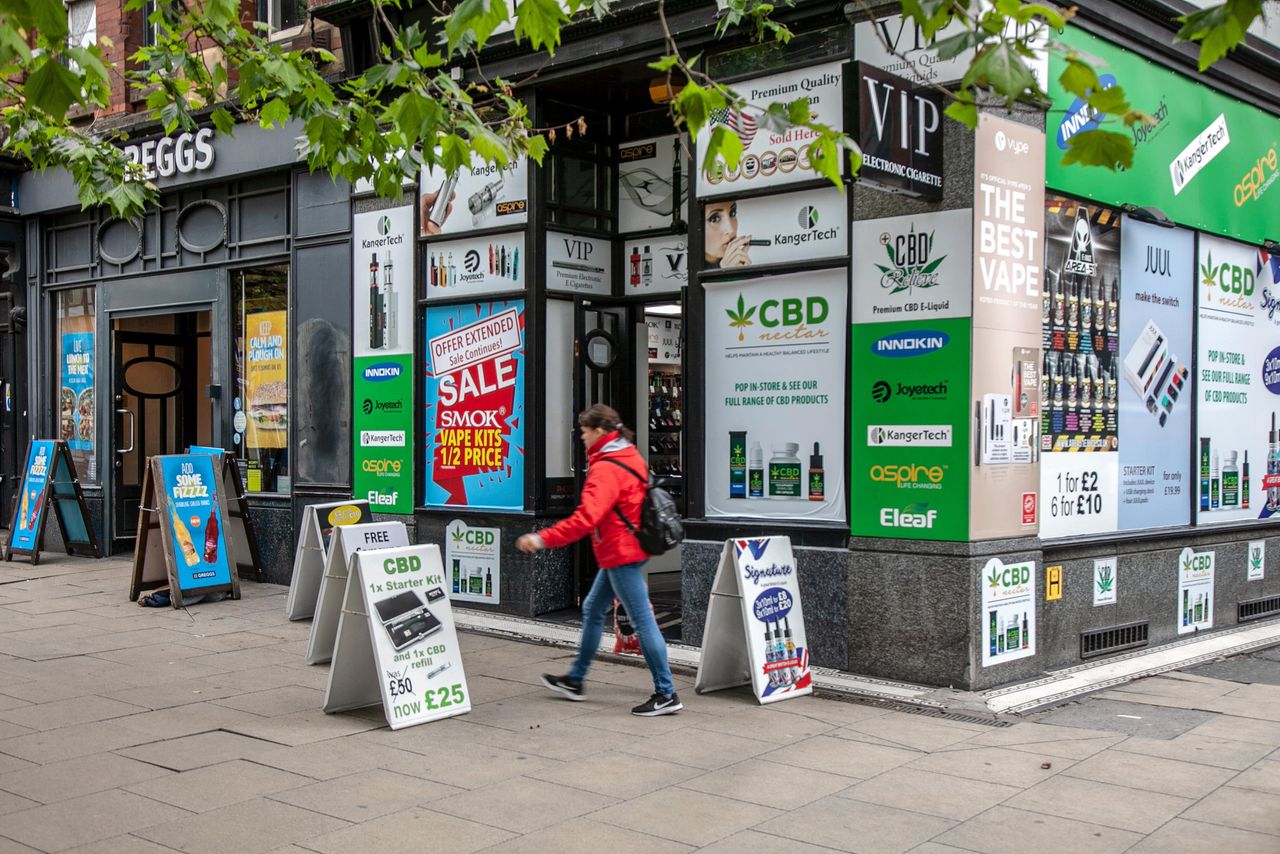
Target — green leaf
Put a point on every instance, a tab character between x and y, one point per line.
274	113
539	22
1079	77
537	148
963	112
475	19
724	145
454	152
1104	148
223	121
666	63
824	158
1111	101
52	88
798	111
1000	67
50	18
693	103
950	48
1220	28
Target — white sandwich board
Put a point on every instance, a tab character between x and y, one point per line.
397	643
347	541
755	624
319	521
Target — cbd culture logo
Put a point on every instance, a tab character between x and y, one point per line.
909	259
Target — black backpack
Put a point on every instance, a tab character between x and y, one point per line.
660	528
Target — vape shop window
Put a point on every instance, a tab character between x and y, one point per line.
74	374
260	404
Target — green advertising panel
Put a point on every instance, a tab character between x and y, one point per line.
383	421
910	392
1209	161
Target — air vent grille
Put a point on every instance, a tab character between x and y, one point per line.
1256	609
1115	639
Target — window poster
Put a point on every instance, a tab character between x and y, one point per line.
383	335
474	405
1008	611
803	226
1080	325
483	195
1155	381
775	375
266	387
647	175
1238	360
772	159
76	422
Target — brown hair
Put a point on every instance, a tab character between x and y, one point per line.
605	417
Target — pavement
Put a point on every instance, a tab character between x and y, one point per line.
125	729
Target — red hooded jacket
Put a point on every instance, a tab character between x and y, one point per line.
607	486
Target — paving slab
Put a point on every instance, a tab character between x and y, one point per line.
410	832
366	794
1199	749
1101	803
912	731
583	836
1244	809
866	828
71	741
1007	830
245	828
196	751
769	784
699	748
618	775
1000	765
854	759
526	804
213	786
1183	836
73	778
942	795
692	818
66	824
1151	773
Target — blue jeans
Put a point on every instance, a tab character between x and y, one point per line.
628	584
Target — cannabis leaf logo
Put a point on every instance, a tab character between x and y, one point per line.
1255	558
1106	581
904	277
1209	272
741	319
457	536
994	578
1186	564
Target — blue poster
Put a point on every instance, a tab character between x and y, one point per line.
31	503
474	405
1157	269
76	418
190	485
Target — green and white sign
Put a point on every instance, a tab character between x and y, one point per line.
1195	591
1008	611
1209	161
1105	579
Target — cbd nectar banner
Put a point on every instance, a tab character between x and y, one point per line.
383	336
1008	611
475	405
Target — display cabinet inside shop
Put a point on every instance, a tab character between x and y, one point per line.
665	422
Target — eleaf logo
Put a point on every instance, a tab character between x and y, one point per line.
369	406
881	391
1230	279
1080	258
1199	153
1080	116
917	515
382	372
808	217
913	436
911	266
796	312
915	342
471	261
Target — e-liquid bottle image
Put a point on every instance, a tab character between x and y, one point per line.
1046	303
1113	307
646	268
1186	607
992	633
1014	641
1099	308
1060	302
457	576
755	471
1000	637
768	654
784	471
1073	303
488	582
1215	483
635	267
737	463
1231	482
1272	482
389	306
377	320
790	646
1205	457
1086	306
1197	615
817	475
780	654
1244	482
1026	636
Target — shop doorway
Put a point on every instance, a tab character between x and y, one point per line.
160	372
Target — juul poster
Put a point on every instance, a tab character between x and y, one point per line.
474	427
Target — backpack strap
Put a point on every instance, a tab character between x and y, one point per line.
636	475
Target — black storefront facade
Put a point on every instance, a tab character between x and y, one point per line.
623	296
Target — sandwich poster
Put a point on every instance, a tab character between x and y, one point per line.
382	393
265	380
474	413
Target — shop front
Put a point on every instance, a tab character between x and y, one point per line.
207	321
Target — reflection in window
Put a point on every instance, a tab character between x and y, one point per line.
260	407
74	375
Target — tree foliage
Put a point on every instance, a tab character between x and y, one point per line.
407	111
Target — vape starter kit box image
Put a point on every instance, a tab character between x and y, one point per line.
406	619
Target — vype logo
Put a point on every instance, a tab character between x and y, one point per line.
1005	143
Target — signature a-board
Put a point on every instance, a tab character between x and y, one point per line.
182	540
49	479
319	524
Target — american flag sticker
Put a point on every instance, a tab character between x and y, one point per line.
740	123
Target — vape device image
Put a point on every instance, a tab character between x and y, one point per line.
377	307
481	202
1026	382
1148	354
440	207
406	619
389	308
997	429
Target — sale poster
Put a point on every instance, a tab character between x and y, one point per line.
474	414
266	388
198	536
1080	329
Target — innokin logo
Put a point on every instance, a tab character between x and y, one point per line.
916	342
1199	153
909	436
382	372
1080	116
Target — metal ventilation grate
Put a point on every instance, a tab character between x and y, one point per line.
1107	641
1256	609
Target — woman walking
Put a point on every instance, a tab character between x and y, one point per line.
617	477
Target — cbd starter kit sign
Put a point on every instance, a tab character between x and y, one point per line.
383	336
474	412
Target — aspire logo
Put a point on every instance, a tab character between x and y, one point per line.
797	313
910	263
909	475
1260	176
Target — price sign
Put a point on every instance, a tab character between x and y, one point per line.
1079	499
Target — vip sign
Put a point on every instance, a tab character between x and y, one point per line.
1195	591
1008	611
913	267
900	131
580	265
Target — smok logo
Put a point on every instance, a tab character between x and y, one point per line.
910	436
471	261
911	516
382	372
1199	153
910	265
917	342
1080	116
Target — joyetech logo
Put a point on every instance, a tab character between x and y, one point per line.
911	436
384	225
1201	151
881	391
472	261
808	217
369	405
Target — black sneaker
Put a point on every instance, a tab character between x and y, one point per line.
564	685
658	704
